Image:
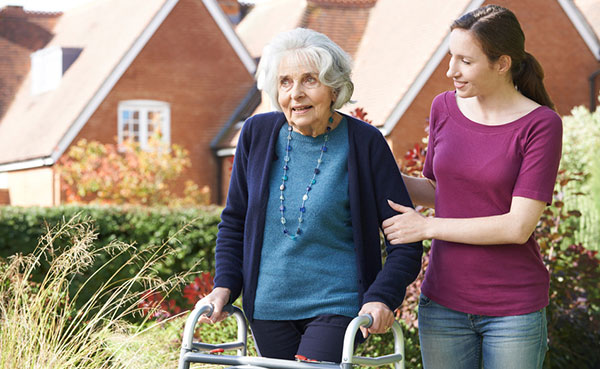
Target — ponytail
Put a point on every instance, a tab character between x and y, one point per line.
528	77
499	33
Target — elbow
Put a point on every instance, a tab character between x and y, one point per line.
521	235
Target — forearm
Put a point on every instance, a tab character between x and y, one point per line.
421	190
491	230
514	227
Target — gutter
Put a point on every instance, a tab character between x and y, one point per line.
27	164
593	100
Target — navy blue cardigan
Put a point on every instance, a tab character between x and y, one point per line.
373	177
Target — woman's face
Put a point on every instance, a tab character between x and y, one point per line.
469	67
304	100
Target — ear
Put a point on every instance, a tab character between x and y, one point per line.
504	63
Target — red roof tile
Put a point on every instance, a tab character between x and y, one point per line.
344	3
343	25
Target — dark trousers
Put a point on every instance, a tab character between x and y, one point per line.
319	338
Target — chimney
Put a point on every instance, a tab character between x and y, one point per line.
231	8
343	3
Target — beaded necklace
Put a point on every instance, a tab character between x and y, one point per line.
312	182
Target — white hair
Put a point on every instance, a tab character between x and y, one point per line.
333	63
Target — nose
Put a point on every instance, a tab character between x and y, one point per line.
297	90
452	72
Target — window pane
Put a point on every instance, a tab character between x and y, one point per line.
131	129
155	119
140	120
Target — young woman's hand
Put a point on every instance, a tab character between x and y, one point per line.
408	226
218	298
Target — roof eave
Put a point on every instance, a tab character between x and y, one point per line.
223	22
422	78
582	26
27	164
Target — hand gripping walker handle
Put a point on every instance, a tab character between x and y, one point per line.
366	320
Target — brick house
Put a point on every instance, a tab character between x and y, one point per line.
113	69
201	84
400	52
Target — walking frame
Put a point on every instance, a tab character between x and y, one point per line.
198	352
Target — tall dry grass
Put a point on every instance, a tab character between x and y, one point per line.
44	326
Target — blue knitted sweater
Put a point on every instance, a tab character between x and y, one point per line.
314	273
373	178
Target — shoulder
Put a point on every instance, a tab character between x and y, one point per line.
544	118
263	121
261	124
443	100
546	114
443	107
360	129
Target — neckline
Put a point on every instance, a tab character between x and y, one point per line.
300	137
465	121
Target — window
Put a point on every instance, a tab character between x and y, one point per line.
140	119
48	65
46	69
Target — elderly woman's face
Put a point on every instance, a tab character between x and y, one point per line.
305	101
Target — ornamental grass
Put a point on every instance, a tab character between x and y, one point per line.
43	325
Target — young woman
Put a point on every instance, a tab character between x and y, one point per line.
492	160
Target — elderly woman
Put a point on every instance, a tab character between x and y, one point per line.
308	194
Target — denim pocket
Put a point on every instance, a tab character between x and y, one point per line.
424	301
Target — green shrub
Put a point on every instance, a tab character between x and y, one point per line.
20	229
581	140
574	310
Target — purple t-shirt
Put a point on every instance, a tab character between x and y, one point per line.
478	169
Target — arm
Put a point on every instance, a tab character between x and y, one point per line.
514	227
421	190
229	251
380	180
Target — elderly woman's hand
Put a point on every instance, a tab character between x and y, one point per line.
217	298
383	317
408	226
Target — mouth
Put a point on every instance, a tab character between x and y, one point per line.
459	84
300	109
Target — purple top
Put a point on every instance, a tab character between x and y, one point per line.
478	169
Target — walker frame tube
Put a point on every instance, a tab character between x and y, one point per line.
189	349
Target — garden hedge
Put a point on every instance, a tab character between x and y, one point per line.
21	229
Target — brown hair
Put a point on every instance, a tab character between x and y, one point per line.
499	33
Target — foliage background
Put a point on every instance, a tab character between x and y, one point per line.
21	228
581	132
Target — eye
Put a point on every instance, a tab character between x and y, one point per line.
311	80
285	82
465	61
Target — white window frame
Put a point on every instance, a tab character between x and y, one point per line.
143	107
46	69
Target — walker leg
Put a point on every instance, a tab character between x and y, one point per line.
182	363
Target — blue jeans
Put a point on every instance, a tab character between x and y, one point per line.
454	340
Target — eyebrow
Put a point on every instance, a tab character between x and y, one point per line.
459	55
303	75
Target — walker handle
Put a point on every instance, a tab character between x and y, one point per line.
366	320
